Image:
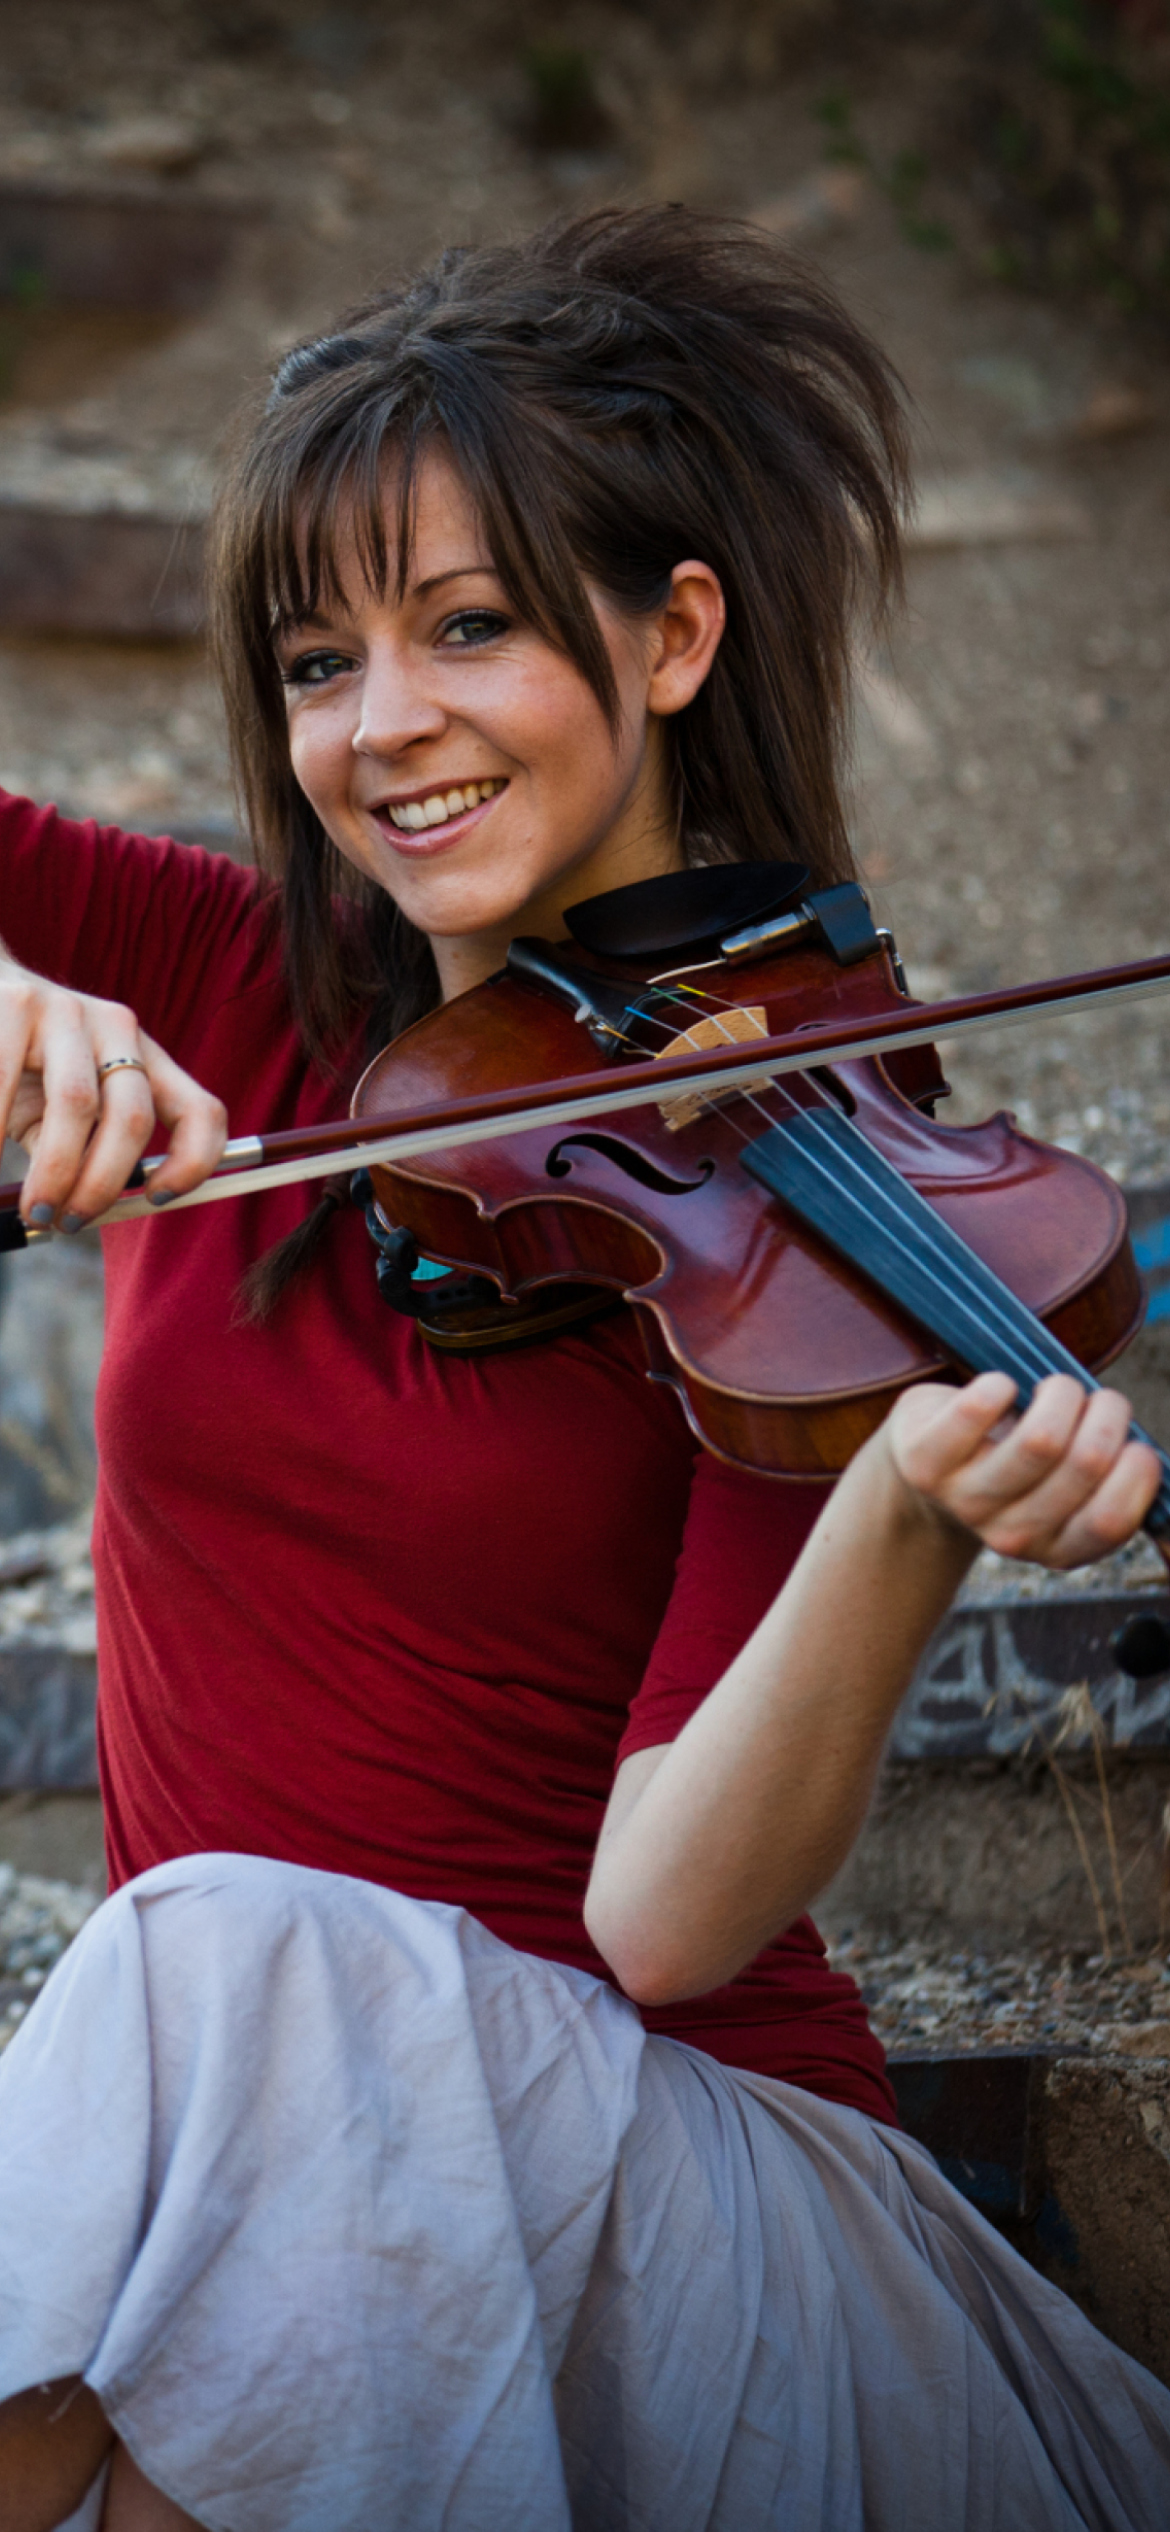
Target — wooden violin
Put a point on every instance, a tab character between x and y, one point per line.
796	1248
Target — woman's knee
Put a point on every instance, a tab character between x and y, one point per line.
54	2438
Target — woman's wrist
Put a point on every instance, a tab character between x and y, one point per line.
916	1522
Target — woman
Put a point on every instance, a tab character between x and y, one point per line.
393	2146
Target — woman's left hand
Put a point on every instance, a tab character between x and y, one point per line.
1060	1485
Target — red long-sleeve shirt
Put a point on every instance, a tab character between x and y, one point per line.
362	1605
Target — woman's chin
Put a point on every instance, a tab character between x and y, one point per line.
450	898
452	909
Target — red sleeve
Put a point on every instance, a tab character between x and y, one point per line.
743	1535
164	927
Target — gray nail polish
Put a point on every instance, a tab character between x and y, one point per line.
158	1196
41	1216
71	1222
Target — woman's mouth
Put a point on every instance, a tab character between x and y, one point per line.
429	818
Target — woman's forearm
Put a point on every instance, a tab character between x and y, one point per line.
715	1842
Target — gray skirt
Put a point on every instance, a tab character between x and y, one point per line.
355	2219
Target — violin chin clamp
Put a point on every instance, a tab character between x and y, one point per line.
465	1314
397	1262
836	919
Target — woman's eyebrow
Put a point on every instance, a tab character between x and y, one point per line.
459	571
311	621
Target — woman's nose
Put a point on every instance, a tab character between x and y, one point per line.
396	708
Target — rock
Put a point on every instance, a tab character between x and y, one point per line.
130	247
98	543
1013	382
147	144
1070	2158
26	154
38	1921
1137	2039
985	1853
1102	2228
61	572
48	1694
816	207
1115	412
993	509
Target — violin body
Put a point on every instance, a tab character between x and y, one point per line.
784	1356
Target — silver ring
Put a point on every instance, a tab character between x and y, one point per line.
120	1064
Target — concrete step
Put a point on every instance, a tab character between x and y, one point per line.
95	540
168	247
99	544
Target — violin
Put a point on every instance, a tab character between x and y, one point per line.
716	1102
795	1249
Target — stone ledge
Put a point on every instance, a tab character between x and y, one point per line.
997	1679
985	1853
125	246
1024	1662
102	574
1069	2157
48	1697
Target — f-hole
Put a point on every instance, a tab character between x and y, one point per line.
624	1157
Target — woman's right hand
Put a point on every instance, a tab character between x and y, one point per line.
85	1128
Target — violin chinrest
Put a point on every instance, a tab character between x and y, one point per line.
684	909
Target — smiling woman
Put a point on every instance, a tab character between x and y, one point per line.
451	2117
575	416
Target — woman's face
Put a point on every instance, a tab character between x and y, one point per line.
464	764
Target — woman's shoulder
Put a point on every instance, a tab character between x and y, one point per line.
45	856
141	919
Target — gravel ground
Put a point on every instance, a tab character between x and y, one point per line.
46	1587
946	2001
38	1920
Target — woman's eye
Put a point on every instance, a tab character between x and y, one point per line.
473	626
315	668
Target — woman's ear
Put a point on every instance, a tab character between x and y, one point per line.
687	635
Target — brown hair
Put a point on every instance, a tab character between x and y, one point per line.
619	391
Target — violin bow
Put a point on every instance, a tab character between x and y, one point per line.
254	1162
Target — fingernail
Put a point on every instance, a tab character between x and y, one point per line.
72	1222
41	1216
158	1196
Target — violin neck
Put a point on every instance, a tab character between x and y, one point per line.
820	1164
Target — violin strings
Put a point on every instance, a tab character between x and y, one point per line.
1031	1355
717	1004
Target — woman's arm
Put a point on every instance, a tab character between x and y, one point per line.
714	1843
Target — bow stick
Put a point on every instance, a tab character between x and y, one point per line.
254	1162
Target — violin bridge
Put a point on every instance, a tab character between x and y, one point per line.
737	1024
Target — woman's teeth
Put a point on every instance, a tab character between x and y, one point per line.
441	805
